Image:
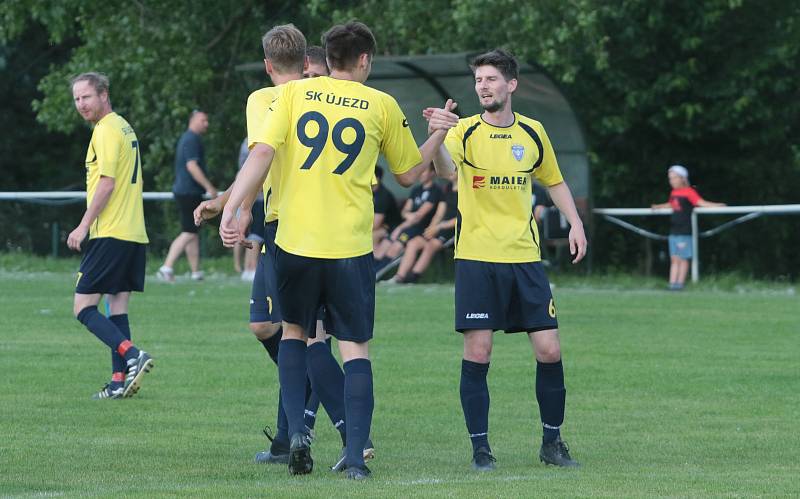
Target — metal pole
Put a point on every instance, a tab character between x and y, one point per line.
695	249
54	239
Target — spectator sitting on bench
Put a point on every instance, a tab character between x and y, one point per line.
417	213
421	249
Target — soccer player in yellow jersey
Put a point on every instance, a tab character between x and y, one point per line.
330	131
500	283
114	261
285	60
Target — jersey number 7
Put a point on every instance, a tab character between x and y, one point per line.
317	142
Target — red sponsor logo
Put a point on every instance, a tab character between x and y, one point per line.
478	182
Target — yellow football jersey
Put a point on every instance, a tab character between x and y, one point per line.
257	106
495	169
331	132
114	152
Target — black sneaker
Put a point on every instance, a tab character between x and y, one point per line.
300	462
369	453
483	460
278	452
137	368
357	473
557	454
109	393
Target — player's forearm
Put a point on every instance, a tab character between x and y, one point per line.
562	198
657	206
377	221
251	175
102	194
443	163
448	224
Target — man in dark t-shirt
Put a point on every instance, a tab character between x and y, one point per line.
190	184
387	214
682	199
417	213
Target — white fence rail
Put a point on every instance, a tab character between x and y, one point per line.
749	213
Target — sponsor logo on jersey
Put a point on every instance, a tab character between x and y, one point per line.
508	182
477	315
500	136
478	182
518	151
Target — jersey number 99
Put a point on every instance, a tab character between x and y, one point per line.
318	141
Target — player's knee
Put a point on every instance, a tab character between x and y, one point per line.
263	330
549	353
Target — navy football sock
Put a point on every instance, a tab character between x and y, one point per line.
312	404
475	402
282	426
327	380
551	395
292	374
359	404
272	344
118	364
107	332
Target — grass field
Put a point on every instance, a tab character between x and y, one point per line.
690	394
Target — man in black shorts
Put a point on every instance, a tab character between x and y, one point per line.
190	184
114	261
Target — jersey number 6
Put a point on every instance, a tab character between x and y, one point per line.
317	142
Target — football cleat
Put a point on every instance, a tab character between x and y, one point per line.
108	393
369	453
165	274
300	462
357	473
483	460
557	454
278	452
137	368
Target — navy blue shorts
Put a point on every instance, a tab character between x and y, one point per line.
264	302
513	297
111	266
256	232
344	286
186	205
410	233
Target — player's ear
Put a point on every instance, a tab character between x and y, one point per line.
512	85
268	66
306	63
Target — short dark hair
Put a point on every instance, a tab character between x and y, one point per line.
344	43
285	47
316	54
504	61
98	81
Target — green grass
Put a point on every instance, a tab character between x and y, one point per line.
686	394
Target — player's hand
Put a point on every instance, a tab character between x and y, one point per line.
245	219
396	233
206	211
229	228
577	243
441	118
76	237
430	232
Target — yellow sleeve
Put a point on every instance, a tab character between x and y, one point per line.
275	126
548	173
257	104
453	143
398	146
108	144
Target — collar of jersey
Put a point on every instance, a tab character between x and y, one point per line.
495	126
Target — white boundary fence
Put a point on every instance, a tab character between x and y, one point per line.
610	214
747	212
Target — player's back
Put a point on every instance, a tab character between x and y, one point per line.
331	132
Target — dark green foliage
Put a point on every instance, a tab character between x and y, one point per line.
711	85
